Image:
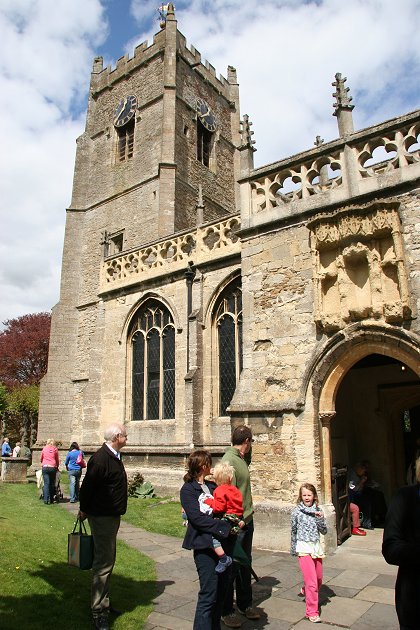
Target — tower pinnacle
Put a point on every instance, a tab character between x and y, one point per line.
343	107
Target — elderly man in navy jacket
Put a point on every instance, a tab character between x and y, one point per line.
103	499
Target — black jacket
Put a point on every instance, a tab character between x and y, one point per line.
201	527
401	546
104	488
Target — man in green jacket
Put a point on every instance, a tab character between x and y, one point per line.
239	456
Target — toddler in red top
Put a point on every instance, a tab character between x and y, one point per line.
225	503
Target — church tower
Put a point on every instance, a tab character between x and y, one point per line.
162	132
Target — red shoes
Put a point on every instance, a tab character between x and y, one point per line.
356	531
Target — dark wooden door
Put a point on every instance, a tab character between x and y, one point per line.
341	503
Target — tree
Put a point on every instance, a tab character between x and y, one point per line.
24	349
23	362
22	405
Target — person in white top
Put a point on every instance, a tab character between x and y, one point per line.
308	523
16	450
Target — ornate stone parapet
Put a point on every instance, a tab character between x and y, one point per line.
207	243
374	158
14	469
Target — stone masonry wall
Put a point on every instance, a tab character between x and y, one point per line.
104	358
280	344
218	181
98	156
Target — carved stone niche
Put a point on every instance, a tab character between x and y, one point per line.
358	267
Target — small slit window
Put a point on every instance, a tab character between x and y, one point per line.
204	142
125	147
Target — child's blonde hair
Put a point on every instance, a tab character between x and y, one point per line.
311	488
223	473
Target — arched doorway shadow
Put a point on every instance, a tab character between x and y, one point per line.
341	354
368	424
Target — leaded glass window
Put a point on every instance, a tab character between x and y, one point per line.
152	335
228	320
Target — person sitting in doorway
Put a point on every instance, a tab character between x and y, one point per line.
356	530
358	495
373	491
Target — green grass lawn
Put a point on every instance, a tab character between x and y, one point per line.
161	515
154	515
39	590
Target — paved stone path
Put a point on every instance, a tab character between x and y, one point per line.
358	589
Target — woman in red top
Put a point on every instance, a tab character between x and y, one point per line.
50	464
226	503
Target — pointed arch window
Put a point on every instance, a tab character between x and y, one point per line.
152	340
228	323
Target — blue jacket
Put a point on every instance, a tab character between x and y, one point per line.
201	527
71	458
6	451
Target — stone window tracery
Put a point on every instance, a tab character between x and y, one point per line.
228	325
152	344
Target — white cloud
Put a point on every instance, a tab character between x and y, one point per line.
46	51
286	54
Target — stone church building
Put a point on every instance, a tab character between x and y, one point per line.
199	292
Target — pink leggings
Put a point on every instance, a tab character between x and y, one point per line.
312	577
355	515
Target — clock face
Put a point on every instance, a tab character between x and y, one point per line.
125	111
205	115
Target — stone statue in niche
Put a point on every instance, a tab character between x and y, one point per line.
358	265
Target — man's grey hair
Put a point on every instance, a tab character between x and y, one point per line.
112	431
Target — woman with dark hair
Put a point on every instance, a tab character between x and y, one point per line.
74	469
200	532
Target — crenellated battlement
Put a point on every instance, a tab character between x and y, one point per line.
103	78
193	57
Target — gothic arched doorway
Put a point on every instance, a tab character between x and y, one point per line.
372	419
395	370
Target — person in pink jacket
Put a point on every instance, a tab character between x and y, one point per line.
50	463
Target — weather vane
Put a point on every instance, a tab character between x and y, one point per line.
163	11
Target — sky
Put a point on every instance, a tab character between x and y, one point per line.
286	53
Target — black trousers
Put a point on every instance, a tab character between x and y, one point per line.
212	590
241	576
